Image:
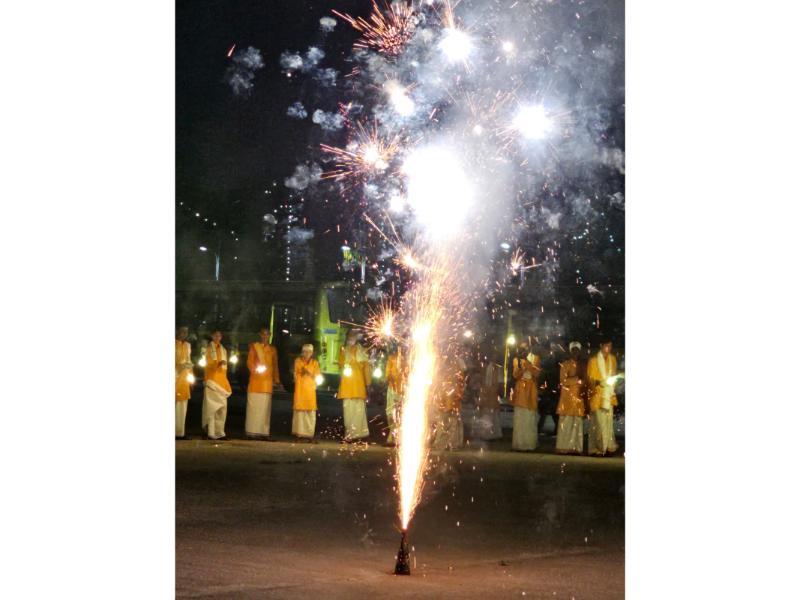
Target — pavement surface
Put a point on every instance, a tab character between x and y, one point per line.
287	520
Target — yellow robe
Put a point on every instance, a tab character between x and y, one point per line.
526	390
353	387
183	356
262	354
305	385
595	381
570	402
214	371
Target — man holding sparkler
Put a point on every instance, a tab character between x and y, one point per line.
262	361
184	378
602	375
217	387
354	367
525	396
571	409
307	375
394	391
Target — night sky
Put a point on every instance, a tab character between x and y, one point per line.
231	148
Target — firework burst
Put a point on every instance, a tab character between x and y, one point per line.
381	327
369	153
387	30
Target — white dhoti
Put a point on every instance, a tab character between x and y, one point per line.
304	423
259	409
180	417
215	409
601	432
392	406
449	432
525	435
570	435
355	419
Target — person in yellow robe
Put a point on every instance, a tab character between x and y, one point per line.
487	418
448	427
306	376
602	376
355	377
526	368
184	378
571	409
217	388
395	381
262	362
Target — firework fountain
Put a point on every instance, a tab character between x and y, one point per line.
451	117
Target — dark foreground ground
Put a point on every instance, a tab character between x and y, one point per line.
286	520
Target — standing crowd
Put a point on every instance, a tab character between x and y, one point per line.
587	389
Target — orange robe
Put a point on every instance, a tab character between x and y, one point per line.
183	356
305	384
526	390
395	378
353	387
570	402
214	371
267	355
594	376
453	393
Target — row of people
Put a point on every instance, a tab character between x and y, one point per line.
584	390
262	363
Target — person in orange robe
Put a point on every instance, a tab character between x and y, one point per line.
571	410
217	388
355	377
602	375
184	378
262	361
525	396
307	375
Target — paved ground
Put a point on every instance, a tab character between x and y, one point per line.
286	520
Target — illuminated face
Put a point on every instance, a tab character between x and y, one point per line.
606	348
216	337
306	353
182	333
264	335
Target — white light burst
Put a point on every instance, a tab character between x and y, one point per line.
456	45
439	191
533	122
402	104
